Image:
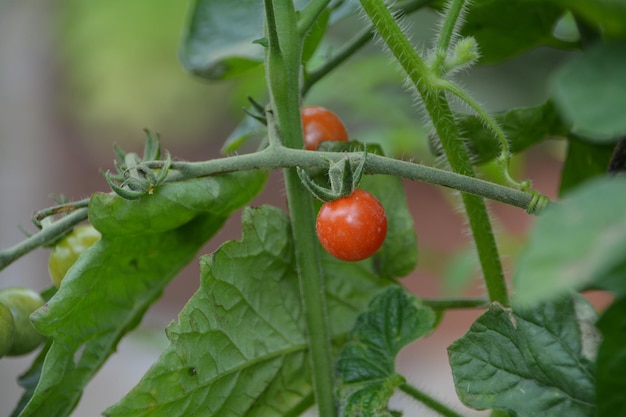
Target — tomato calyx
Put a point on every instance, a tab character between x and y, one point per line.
343	179
134	178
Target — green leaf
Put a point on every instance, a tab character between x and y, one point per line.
523	127
576	243
29	379
239	347
366	364
583	161
534	362
505	28
218	38
245	130
314	37
106	292
609	15
611	363
398	255
174	204
590	92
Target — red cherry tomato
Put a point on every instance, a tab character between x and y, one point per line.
352	228
321	124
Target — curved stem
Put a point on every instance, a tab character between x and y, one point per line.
448	29
45	236
281	157
505	153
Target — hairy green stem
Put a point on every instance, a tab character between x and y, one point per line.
437	106
283	59
505	154
281	157
477	214
448	28
429	401
47	235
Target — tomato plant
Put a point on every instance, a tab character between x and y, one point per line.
352	228
277	325
319	125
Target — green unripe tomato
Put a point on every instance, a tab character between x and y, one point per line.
66	252
22	302
7	330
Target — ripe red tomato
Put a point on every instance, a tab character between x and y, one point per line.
352	228
321	124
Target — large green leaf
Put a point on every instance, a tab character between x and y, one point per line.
534	362
239	346
218	37
577	243
366	364
504	28
590	92
107	291
611	363
523	127
173	204
583	161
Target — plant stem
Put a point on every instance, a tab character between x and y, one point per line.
429	401
283	76
455	303
448	29
477	214
505	154
47	235
436	104
281	157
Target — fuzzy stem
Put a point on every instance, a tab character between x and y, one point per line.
448	29
281	157
505	154
283	58
45	236
435	101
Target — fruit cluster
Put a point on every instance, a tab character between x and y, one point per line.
350	227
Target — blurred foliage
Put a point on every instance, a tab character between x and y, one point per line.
120	71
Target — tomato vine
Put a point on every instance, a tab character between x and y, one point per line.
278	324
